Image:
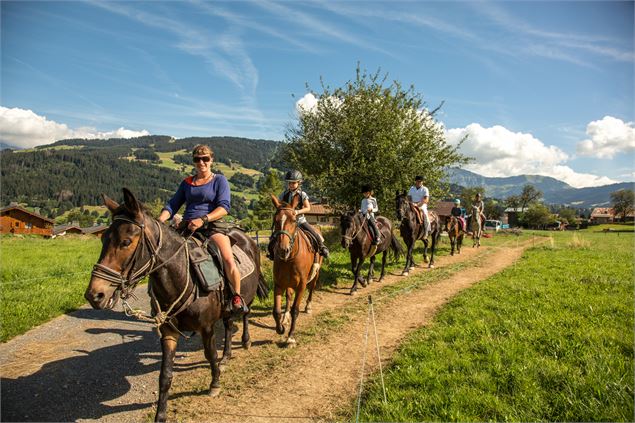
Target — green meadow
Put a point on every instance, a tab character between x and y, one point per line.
548	339
42	278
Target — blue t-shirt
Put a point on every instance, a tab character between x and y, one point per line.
200	200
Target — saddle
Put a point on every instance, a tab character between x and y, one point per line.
418	213
367	229
314	243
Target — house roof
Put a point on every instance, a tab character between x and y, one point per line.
444	208
516	209
63	228
320	209
607	212
95	229
23	210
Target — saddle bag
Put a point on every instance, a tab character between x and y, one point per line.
204	268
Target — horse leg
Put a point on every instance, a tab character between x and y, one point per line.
286	318
312	284
227	347
435	240
356	276
209	344
371	269
409	264
295	312
425	250
277	310
246	339
168	347
383	266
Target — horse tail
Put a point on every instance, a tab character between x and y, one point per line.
263	289
396	248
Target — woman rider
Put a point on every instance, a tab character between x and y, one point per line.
207	199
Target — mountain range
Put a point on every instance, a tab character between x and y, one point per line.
554	191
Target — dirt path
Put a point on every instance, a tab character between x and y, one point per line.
91	364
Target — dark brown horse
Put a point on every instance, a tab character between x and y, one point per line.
296	266
356	237
136	245
412	231
455	233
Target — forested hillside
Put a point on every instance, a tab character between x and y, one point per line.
73	173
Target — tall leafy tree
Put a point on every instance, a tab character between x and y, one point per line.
372	132
623	202
270	184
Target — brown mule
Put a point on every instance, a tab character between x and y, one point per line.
295	266
135	246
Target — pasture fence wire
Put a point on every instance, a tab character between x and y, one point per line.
370	315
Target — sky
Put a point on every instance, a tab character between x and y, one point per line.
542	88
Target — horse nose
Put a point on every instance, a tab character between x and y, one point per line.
93	297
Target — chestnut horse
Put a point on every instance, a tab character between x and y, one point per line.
411	231
455	233
357	239
296	265
135	246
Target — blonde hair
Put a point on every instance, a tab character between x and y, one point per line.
202	150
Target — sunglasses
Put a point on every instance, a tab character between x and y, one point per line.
202	158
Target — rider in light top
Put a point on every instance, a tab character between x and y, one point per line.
294	180
369	208
420	195
480	205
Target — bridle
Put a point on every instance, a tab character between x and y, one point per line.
126	281
292	236
357	230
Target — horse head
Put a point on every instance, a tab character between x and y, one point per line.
112	275
401	203
349	227
285	223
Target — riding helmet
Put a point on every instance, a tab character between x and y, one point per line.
293	176
457	201
418	178
366	188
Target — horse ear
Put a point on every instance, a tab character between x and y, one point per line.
130	202
275	201
111	204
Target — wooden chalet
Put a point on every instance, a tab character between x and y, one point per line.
18	220
96	230
61	230
443	208
607	215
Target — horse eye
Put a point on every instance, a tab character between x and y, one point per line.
126	242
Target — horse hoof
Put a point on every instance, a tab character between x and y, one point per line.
380	280
247	345
353	292
308	310
280	330
411	268
431	266
404	273
290	343
214	392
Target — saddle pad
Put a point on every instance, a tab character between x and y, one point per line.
245	264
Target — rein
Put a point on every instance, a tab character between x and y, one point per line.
128	284
357	231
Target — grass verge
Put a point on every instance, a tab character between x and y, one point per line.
549	339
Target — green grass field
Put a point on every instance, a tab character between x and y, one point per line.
549	339
42	278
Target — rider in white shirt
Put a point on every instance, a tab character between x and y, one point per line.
420	195
368	209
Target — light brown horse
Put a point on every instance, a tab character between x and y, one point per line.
296	265
455	233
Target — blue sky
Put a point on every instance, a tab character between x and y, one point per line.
539	87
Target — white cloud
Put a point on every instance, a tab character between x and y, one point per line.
308	103
499	152
26	129
607	137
